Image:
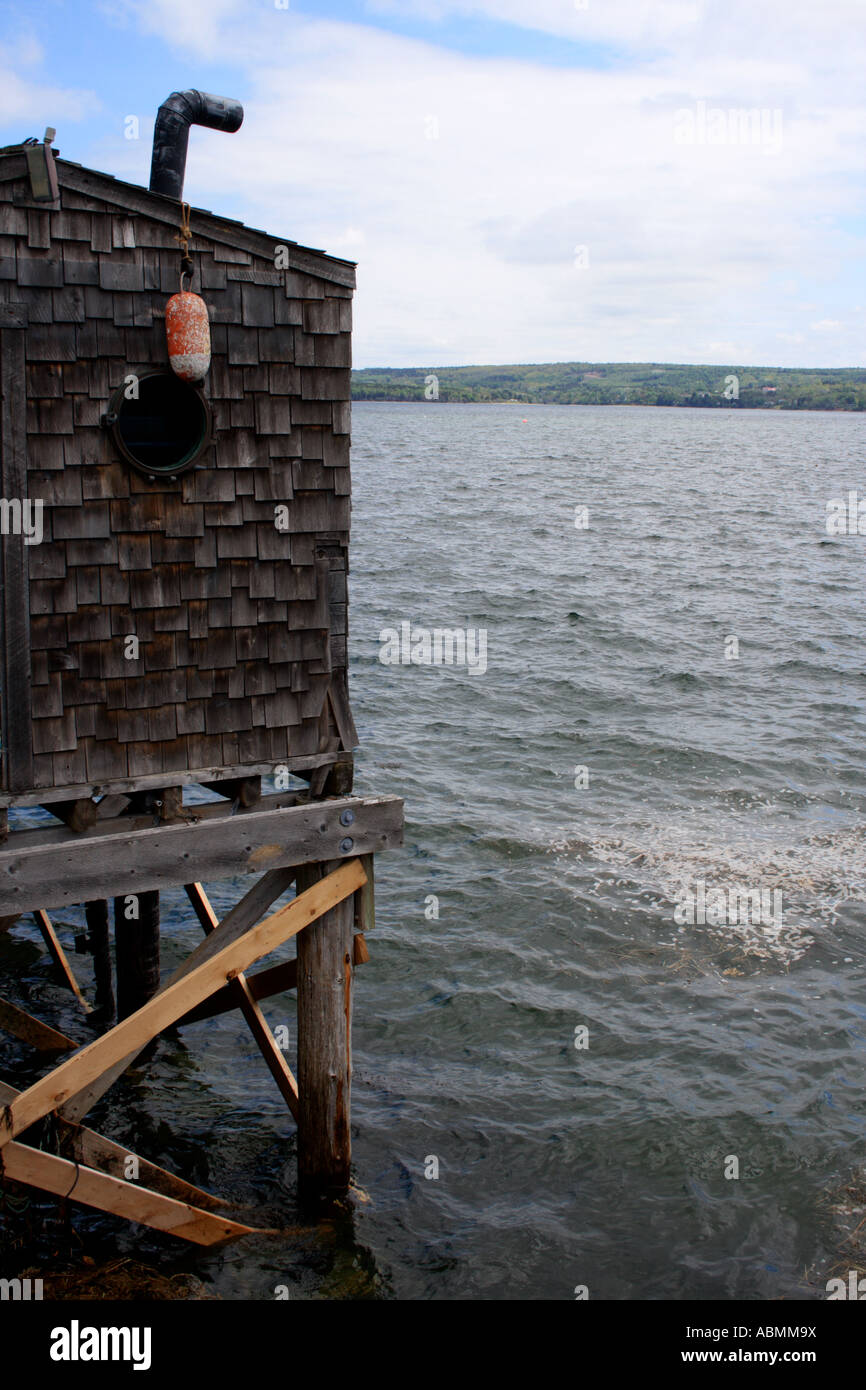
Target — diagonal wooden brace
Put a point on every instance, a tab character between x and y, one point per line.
94	1189
95	1151
58	955
243	915
242	998
214	963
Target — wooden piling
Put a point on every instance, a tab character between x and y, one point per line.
325	968
136	951
96	916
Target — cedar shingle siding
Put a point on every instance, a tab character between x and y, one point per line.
242	627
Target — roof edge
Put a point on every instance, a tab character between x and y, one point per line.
132	197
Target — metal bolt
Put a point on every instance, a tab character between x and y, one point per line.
346	817
346	845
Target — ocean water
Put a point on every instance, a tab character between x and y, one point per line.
619	748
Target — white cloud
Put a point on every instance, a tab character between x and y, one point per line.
467	240
24	97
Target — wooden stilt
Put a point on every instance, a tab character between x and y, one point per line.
136	950
324	1044
96	915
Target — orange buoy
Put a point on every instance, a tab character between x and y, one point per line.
187	330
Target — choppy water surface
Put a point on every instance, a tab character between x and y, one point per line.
607	652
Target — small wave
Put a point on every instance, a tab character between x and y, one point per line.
683	680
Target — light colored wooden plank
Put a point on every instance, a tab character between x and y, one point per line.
242	998
204	975
106	1193
58	955
32	1030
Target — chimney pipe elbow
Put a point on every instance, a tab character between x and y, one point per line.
171	134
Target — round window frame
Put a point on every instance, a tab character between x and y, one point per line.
113	417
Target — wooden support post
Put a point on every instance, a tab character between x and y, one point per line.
96	916
246	791
324	1045
136	950
79	815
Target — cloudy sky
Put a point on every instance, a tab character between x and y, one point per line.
519	180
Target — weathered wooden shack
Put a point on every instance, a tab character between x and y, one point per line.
174	608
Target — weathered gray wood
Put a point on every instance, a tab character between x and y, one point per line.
78	815
339	698
365	898
143	819
13	316
95	865
200	773
247	791
136	951
324	267
325	969
17	753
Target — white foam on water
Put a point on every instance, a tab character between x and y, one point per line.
816	875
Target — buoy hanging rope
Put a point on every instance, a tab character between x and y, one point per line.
187	327
183	238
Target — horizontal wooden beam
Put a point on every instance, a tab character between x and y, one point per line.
136	819
49	835
217	960
152	781
102	865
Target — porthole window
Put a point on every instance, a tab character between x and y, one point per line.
159	423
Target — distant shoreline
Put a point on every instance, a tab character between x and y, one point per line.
617	405
619	383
